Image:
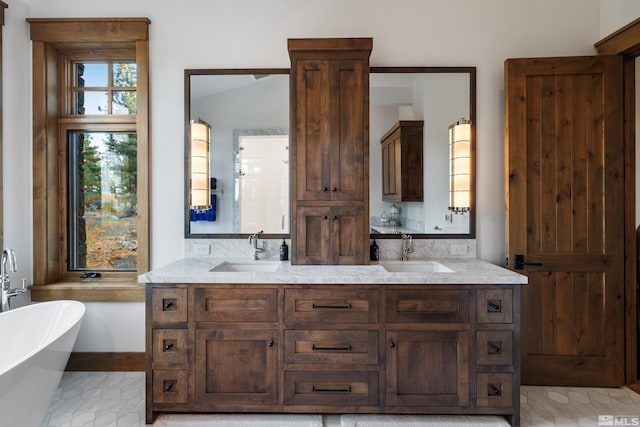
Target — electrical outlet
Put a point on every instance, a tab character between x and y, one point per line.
200	249
458	249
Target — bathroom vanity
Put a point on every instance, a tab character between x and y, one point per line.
398	338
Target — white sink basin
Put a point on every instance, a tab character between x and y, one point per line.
415	267
247	267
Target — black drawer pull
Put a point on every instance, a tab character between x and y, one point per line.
494	306
335	189
325	189
324	217
168	346
331	306
343	348
346	389
270	343
168	305
168	387
494	391
391	344
495	348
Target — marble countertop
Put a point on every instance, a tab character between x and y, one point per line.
464	271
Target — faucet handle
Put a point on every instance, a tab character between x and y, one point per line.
24	284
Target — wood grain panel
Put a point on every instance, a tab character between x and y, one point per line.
564	113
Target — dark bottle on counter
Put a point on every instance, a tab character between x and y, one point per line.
284	251
374	253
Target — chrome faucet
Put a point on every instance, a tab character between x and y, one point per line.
8	260
253	240
407	246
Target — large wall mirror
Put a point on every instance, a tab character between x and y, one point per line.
248	111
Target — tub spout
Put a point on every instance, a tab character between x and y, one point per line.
7	265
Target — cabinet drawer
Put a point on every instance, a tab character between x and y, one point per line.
494	347
169	305
236	305
170	386
331	306
331	347
495	306
330	388
495	389
427	306
170	346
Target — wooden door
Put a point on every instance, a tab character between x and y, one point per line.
427	368
313	230
346	239
347	117
391	169
236	367
312	142
565	216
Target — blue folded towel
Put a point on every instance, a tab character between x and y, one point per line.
206	214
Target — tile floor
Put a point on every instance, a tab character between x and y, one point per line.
116	399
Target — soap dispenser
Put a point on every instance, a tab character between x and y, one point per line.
374	253
284	251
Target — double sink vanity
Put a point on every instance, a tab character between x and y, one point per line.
401	337
329	331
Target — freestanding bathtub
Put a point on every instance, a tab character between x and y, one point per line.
35	343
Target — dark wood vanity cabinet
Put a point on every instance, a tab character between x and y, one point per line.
402	162
296	348
329	140
332	234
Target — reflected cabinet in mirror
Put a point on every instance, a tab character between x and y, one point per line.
413	162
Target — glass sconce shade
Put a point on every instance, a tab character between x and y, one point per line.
200	186
460	166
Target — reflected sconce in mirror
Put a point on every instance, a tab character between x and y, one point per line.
460	166
200	191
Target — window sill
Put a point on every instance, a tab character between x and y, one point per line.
89	292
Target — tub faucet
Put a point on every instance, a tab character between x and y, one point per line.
407	246
253	240
8	260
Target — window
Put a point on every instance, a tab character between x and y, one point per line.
102	202
91	183
101	163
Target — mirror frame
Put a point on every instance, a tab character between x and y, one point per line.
187	115
226	71
473	117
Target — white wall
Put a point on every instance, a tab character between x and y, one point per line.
253	33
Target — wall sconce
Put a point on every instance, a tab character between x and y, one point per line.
460	166
200	191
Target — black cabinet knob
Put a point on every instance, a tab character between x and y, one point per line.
324	217
168	346
392	344
270	343
335	217
334	189
168	304
325	189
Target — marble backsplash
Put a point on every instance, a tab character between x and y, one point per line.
388	248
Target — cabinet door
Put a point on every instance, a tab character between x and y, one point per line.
330	116
428	368
313	230
391	168
312	130
347	115
236	367
346	235
330	235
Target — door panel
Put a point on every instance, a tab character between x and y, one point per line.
313	140
347	137
565	215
